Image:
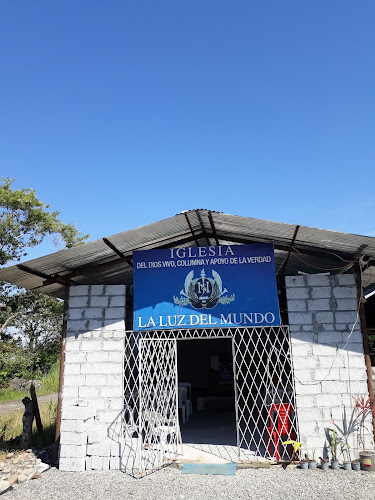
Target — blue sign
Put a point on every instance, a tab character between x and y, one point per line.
205	287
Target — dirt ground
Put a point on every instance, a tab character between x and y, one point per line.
14	406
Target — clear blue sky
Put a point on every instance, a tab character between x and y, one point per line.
120	113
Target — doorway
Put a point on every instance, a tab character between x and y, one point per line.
253	397
206	365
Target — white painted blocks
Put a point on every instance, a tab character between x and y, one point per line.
329	337
113	325
355	362
324	317
93	371
74	357
115	290
108	416
297	305
95	380
75	369
94	312
330	373
115	463
99	301
91	368
342	292
306	401
91	345
97	289
302	350
328	369
97	434
74	380
346	304
110	392
76	291
294	281
76	325
321	292
115	356
300	363
72	464
324	350
346	279
115	313
300	318
97	356
355	374
309	414
77	413
75	314
319	305
334	387
327	401
117	301
72	451
99	463
111	368
70	392
297	293
113	345
72	345
314	280
75	438
99	449
94	325
80	302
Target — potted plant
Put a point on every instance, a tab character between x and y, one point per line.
347	464
356	465
312	461
304	463
364	408
296	448
324	464
334	441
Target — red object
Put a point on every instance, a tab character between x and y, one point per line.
280	425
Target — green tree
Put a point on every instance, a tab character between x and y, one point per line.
25	222
32	344
29	322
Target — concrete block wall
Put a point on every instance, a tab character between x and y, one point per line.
92	396
328	358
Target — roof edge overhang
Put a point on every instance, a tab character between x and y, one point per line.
109	260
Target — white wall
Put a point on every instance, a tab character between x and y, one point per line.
92	396
328	359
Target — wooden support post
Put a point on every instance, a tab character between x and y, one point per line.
38	420
27	423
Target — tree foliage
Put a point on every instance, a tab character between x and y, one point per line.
25	222
30	323
29	333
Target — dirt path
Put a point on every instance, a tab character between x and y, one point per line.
14	406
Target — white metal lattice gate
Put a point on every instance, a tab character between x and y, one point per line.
264	394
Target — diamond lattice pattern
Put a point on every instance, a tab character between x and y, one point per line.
265	400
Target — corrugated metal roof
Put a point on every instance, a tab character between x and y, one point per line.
81	264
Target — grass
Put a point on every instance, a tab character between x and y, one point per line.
50	384
11	428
